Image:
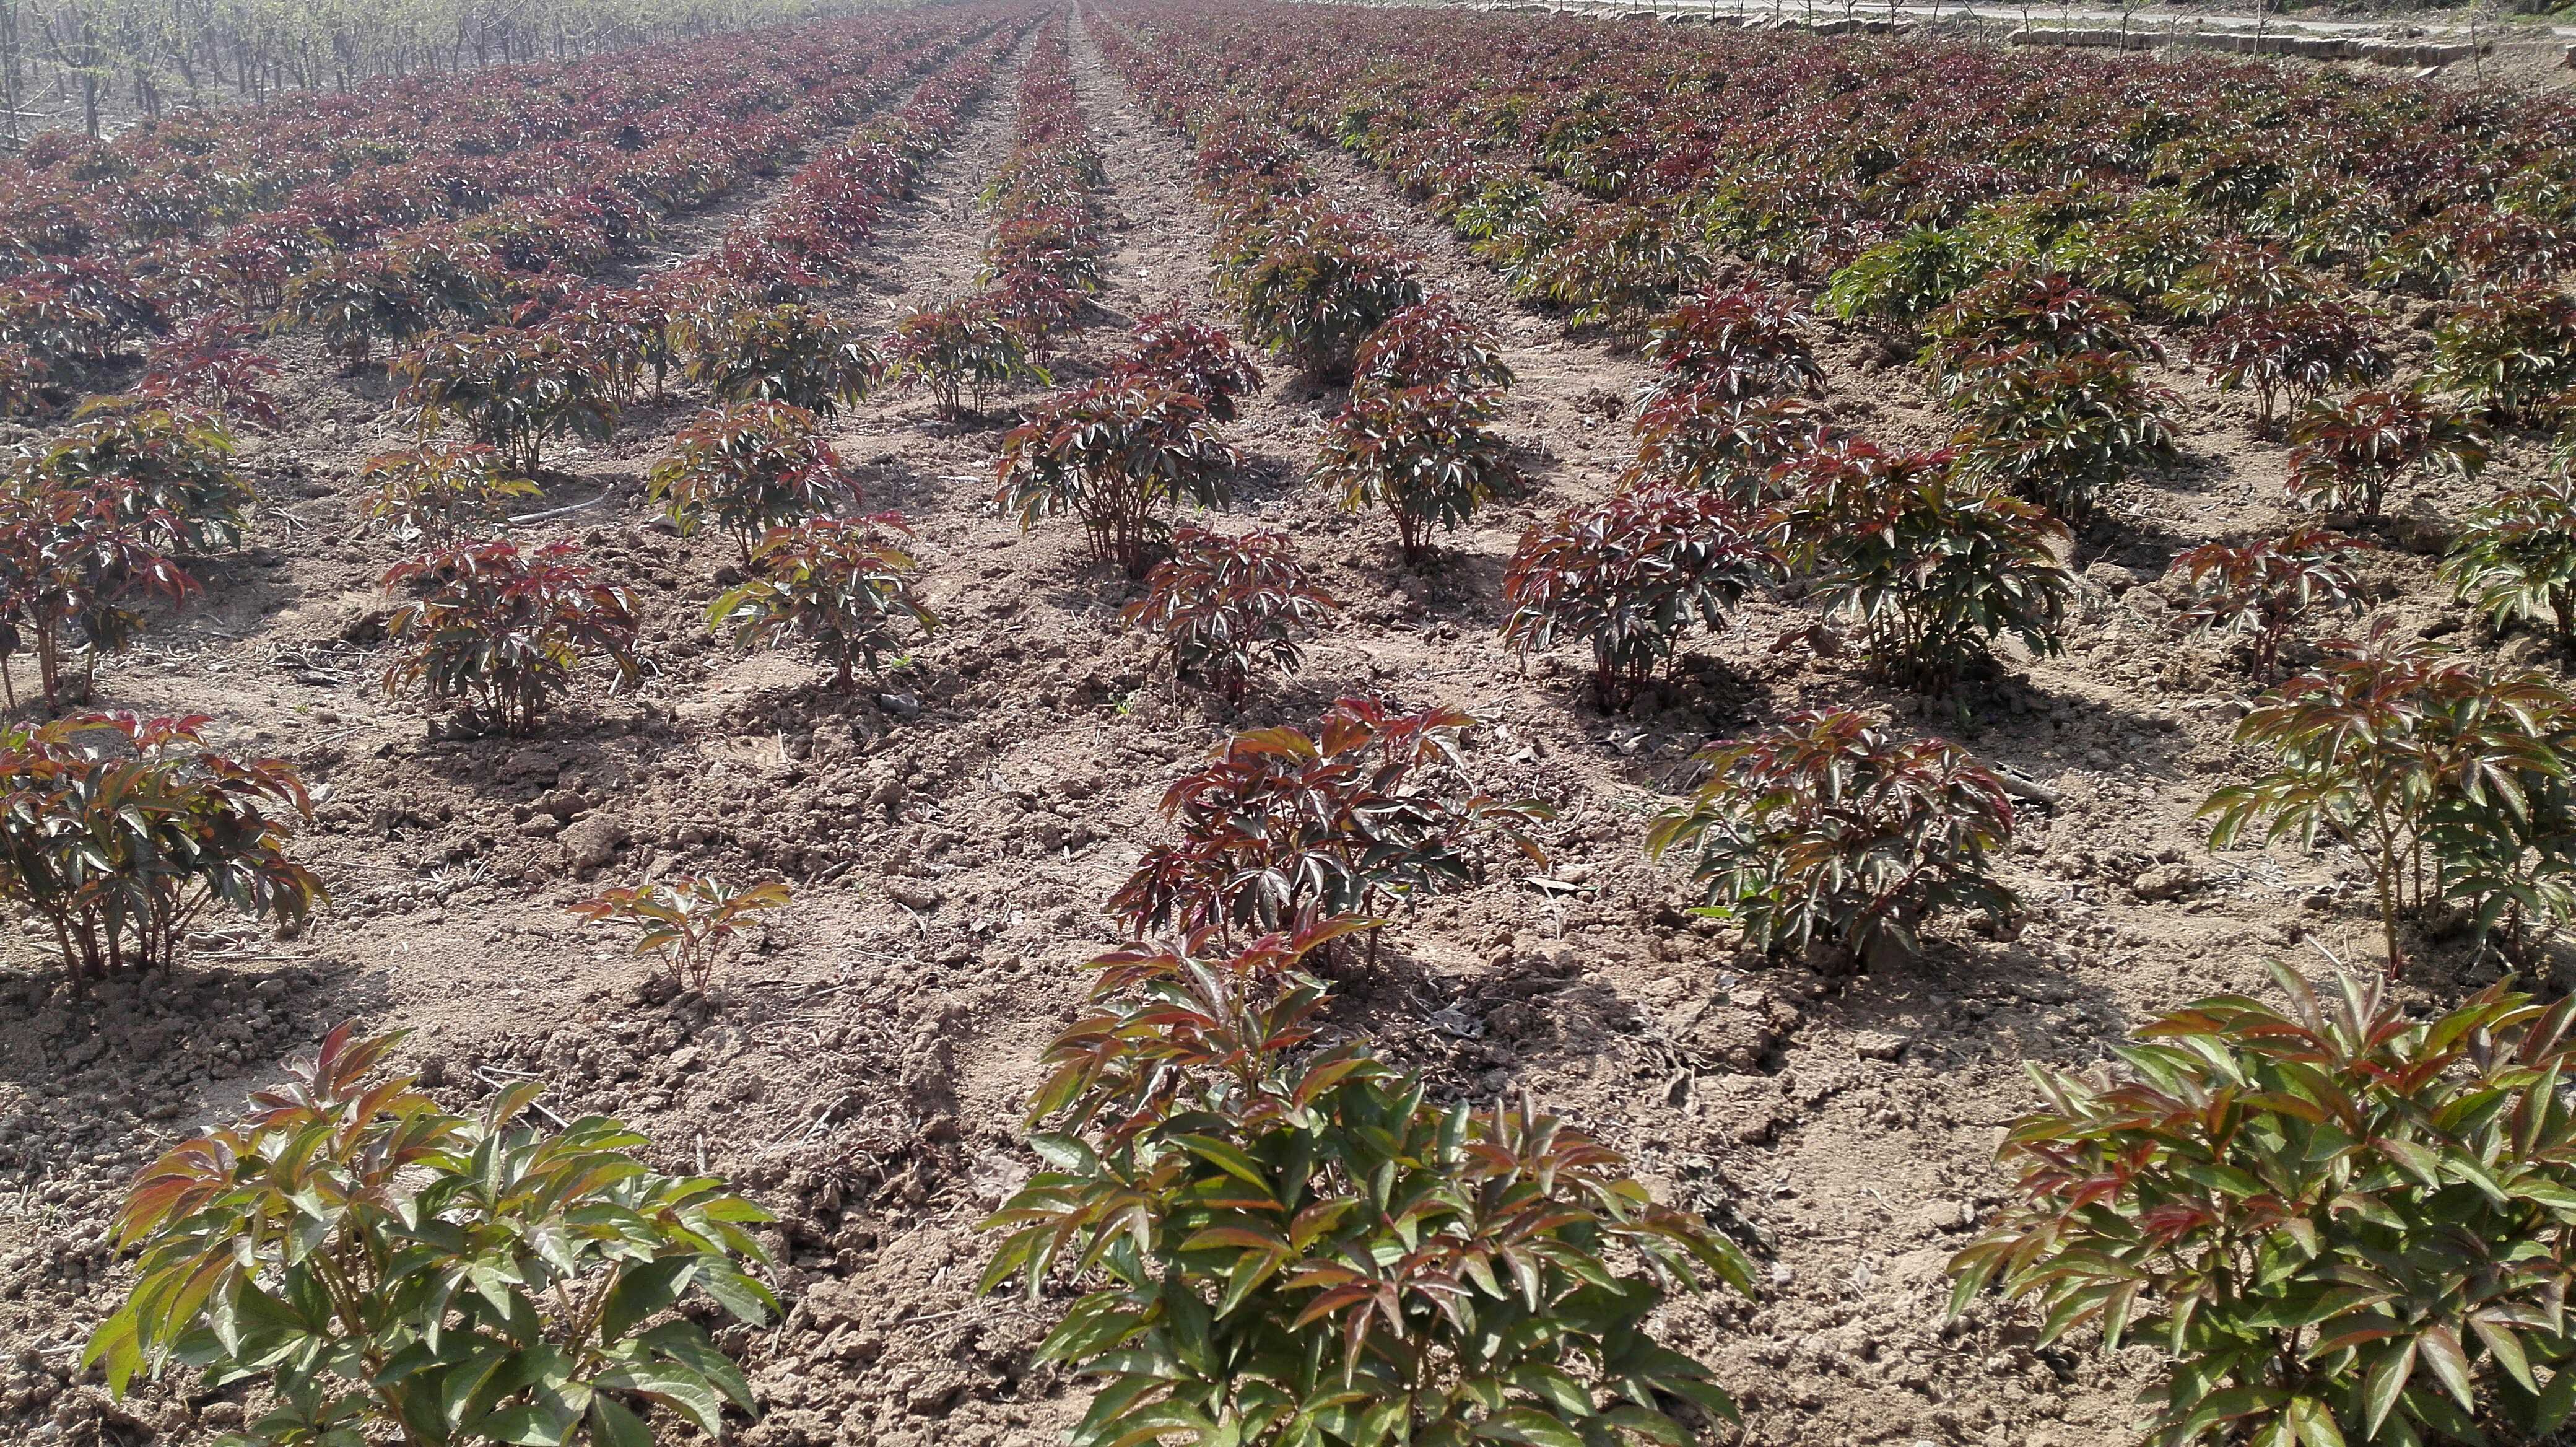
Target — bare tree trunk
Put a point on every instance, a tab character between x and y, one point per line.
11	72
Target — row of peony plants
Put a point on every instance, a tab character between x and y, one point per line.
380	244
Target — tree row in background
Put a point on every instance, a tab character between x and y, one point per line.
98	60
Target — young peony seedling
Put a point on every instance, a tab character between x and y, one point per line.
685	923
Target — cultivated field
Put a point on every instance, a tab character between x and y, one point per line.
712	583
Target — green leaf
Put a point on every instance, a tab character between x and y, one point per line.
1247	1275
734	1289
642	1290
683	1391
1527	1427
615	1426
2440	1349
118	1344
686	1342
2226	1179
2507	1347
1651	1425
2384	1383
1228	1159
1551	1385
2226	1406
2423	1164
2557	1402
468	1387
2314	1423
526	1425
1095	1324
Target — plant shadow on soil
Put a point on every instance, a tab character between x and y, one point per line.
174	1046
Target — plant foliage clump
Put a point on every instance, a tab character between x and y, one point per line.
750	467
1900	284
1422	452
1736	370
1313	282
685	923
958	349
2295	352
2344	455
73	566
2265	588
512	387
1932	566
2038	313
503	630
1609	264
2510	352
1735	345
2058	430
165	473
1299	1246
1830	829
2342	1223
843	584
1373	807
2515	560
801	355
1432	343
2448	778
1117	454
390	1270
1693	438
1414	437
205	365
436	494
121	832
1222	604
1170	352
1632	576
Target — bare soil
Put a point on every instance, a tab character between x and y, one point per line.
953	830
